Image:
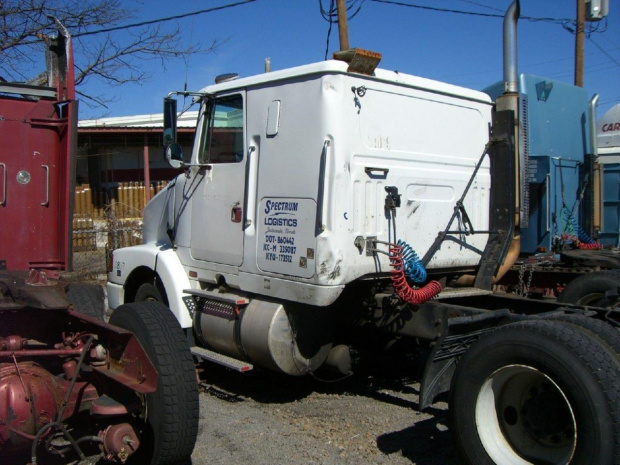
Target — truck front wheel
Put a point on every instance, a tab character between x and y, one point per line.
537	392
149	293
170	418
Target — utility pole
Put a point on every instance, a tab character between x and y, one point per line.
579	37
343	28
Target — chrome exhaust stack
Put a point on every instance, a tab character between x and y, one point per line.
510	101
510	47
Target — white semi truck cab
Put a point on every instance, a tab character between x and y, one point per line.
338	208
299	181
285	192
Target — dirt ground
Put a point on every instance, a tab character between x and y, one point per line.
265	418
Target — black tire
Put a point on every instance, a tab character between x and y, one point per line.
149	293
539	391
590	289
172	411
88	299
603	332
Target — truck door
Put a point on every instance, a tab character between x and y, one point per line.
217	210
31	207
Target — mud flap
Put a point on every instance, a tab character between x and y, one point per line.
457	336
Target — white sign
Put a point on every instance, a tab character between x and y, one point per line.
286	242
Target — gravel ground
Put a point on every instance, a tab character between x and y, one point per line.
266	418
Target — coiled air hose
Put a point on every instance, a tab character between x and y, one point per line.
585	241
399	263
412	266
575	234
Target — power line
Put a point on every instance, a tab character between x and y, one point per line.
560	75
563	21
616	47
328	15
471	13
589	68
331	16
612	100
604	52
482	5
161	20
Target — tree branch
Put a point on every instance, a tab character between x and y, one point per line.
102	57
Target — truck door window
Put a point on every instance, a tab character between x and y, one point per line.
223	131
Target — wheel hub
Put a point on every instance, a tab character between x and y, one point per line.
546	417
523	417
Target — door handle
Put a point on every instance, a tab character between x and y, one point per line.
236	213
371	170
320	197
47	186
247	207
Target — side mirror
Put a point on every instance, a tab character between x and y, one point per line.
174	155
170	121
173	152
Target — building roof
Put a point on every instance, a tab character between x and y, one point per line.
156	121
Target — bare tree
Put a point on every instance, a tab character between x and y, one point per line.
113	57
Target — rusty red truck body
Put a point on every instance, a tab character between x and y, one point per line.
72	385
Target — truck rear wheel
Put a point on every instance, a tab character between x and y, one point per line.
171	414
537	392
603	332
591	289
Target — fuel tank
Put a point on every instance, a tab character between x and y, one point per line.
286	337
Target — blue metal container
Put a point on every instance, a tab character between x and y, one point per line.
556	140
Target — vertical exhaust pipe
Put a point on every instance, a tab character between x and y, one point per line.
510	47
593	136
598	174
510	101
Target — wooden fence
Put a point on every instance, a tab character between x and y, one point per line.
127	200
105	220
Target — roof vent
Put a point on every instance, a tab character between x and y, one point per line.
226	77
360	61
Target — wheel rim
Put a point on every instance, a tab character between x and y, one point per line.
523	417
597	299
591	298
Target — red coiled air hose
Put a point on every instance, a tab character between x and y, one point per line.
582	245
591	246
402	287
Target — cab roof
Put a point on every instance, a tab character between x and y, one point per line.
340	67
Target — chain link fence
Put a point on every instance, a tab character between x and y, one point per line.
104	221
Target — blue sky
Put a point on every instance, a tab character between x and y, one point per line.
458	49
